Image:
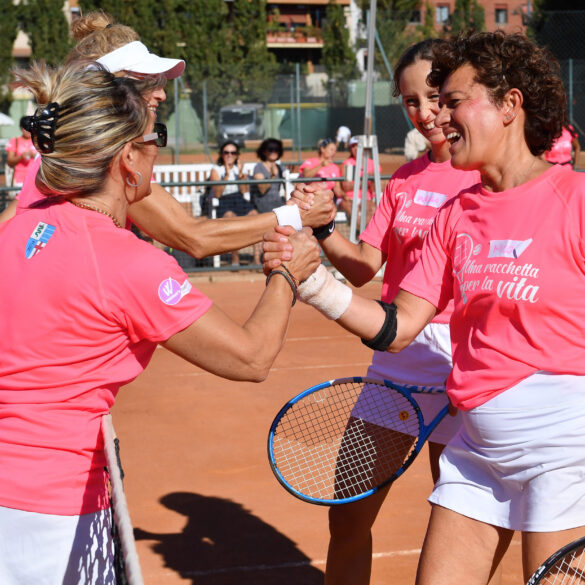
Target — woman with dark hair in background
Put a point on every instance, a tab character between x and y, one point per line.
232	202
266	196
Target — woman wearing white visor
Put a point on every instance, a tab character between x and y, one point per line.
118	49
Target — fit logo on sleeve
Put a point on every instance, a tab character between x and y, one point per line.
38	239
170	292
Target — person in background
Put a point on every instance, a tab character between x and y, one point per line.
266	196
232	202
342	138
322	165
20	152
119	49
566	148
344	190
415	145
105	300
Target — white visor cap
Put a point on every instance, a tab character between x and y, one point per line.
136	58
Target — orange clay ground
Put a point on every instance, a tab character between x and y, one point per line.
204	503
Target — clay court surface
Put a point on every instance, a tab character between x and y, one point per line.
204	503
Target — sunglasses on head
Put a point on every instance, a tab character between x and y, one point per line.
159	136
326	142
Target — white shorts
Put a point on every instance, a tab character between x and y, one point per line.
425	362
519	460
48	549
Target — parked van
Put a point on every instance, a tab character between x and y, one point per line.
241	122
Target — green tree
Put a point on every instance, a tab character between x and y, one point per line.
339	59
8	31
46	26
468	14
223	44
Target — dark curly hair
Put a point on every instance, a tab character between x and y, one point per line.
505	61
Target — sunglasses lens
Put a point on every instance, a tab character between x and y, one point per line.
161	131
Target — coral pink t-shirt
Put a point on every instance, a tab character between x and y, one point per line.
406	213
351	162
84	305
19	145
331	170
515	263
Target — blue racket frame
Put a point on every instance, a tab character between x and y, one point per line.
406	391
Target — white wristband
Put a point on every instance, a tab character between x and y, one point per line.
289	215
327	295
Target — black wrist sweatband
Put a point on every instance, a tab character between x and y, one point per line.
387	333
324	231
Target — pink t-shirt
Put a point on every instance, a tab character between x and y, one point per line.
406	213
19	145
351	162
515	263
84	305
562	149
331	170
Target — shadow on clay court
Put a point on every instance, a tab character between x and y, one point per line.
224	544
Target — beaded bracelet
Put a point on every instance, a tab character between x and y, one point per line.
293	286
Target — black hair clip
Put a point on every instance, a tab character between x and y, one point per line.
42	127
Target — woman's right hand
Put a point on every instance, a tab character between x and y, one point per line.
306	255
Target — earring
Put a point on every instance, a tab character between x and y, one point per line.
138	183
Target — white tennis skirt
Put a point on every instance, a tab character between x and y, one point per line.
518	461
45	549
425	362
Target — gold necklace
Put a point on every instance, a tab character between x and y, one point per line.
92	208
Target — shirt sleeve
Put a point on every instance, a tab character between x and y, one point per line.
378	229
153	296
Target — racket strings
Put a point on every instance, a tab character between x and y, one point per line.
345	440
569	570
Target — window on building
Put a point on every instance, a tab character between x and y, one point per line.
441	14
501	15
415	17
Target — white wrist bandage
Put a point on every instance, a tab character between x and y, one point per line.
327	295
289	215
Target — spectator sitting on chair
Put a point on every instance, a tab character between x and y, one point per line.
232	202
322	165
266	196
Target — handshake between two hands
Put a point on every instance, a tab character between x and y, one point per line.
300	250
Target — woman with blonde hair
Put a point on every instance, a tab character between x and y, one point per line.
94	302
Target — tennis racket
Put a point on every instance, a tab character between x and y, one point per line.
565	567
126	564
344	439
